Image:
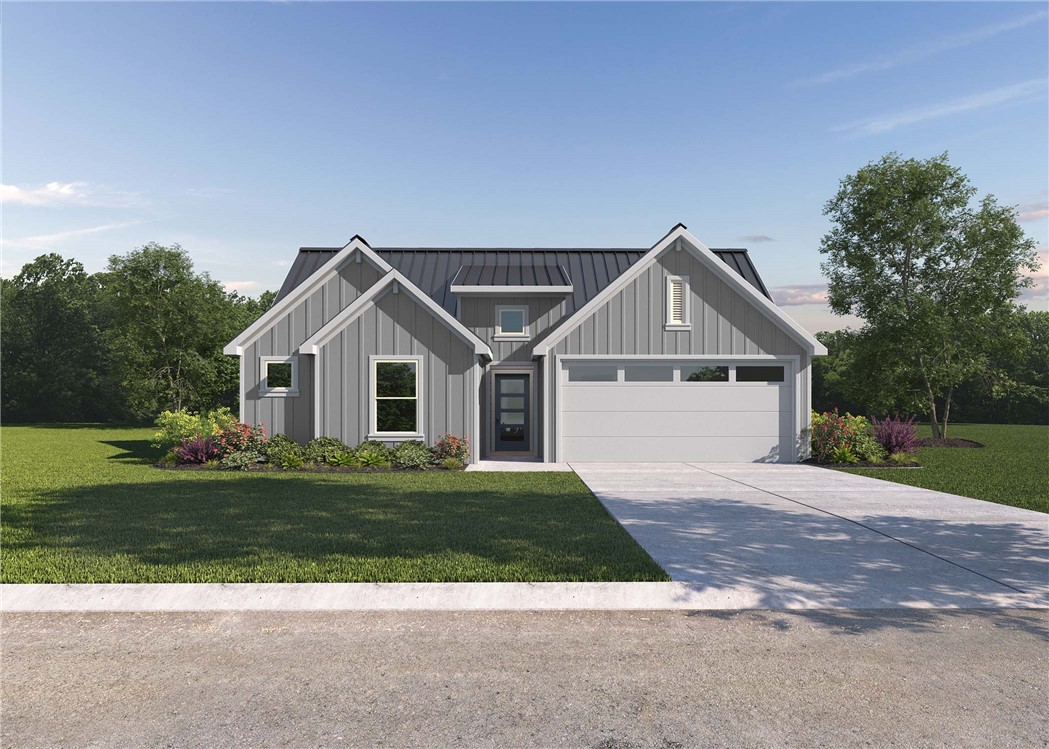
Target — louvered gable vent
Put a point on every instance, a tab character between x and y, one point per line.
677	300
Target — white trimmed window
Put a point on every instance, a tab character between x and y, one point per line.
279	376
678	314
511	321
396	400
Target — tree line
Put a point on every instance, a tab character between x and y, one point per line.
144	335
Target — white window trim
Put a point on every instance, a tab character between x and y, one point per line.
499	334
289	392
668	324
373	431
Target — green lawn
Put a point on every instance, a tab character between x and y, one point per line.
1010	470
80	503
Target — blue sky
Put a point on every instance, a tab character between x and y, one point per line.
242	131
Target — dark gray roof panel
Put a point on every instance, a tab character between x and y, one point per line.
515	271
432	269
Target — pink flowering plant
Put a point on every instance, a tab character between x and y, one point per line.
240	437
451	447
831	431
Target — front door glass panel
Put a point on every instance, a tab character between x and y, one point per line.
511	413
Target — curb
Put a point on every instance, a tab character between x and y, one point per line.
445	597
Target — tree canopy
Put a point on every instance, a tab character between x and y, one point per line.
144	335
933	274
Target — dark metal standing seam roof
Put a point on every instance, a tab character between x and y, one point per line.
432	269
511	275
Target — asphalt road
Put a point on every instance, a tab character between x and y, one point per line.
595	679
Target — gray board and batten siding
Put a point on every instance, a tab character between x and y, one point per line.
630	322
723	323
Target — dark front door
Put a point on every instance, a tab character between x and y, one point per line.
512	430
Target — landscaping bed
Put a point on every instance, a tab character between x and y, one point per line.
861	464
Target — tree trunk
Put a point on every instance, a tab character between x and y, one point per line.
947	410
934	422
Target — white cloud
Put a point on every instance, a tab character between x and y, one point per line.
1033	211
57	194
45	240
1016	93
756	238
241	287
812	293
921	52
1038	292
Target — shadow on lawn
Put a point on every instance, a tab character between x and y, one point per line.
136	452
294	528
82	425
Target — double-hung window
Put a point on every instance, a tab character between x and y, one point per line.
396	396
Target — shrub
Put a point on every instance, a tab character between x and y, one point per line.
292	461
901	458
345	459
240	437
369	457
376	448
412	454
452	464
867	448
170	458
844	454
895	434
450	446
175	427
280	446
239	460
323	449
196	450
831	430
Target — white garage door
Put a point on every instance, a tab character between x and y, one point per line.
677	411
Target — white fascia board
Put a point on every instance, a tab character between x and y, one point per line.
361	303
237	345
312	344
510	290
701	251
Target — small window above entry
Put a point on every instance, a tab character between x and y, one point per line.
279	376
511	321
677	313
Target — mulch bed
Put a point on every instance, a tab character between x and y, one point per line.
861	464
265	468
947	442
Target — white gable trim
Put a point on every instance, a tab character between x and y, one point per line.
287	304
720	269
360	304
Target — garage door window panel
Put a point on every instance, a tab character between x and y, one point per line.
593	373
648	373
759	373
705	373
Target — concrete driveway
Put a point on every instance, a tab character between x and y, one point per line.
792	536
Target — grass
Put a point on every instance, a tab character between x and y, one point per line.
1009	470
81	504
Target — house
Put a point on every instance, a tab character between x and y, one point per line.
667	354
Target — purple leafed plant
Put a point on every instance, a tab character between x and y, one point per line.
895	434
196	450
